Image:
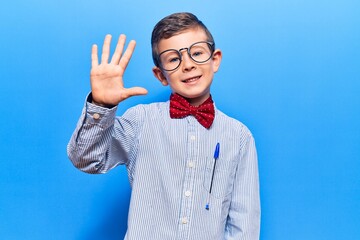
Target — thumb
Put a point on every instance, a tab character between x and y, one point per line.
134	91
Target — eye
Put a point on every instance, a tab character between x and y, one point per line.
196	54
173	59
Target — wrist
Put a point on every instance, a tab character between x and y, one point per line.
90	99
102	105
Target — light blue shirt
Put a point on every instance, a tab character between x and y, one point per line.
170	164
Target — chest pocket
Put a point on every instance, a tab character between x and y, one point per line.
222	182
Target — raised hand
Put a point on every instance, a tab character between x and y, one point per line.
106	78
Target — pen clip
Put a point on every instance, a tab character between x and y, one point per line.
217	151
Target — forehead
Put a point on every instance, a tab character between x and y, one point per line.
182	40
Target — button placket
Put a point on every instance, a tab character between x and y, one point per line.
189	178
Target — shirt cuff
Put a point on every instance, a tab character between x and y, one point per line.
99	115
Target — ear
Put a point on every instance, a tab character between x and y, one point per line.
160	76
217	56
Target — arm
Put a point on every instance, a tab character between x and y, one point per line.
243	221
94	141
100	141
89	144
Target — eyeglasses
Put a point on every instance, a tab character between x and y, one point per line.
199	52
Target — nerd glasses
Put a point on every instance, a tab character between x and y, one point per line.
199	52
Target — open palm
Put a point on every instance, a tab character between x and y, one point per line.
106	78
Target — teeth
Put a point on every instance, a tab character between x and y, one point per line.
191	79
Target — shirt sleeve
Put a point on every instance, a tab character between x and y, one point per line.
243	221
102	141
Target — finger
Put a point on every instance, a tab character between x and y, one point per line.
127	55
119	49
106	49
134	91
94	56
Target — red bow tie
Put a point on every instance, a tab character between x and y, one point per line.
180	108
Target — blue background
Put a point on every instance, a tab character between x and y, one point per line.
290	72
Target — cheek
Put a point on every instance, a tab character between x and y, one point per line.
171	76
210	70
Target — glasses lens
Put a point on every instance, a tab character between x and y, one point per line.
170	60
200	52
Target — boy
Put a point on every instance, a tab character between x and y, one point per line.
192	169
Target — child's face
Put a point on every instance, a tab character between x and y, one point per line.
191	80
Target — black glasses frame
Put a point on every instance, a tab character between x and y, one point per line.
210	44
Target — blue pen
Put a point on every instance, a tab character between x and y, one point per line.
216	156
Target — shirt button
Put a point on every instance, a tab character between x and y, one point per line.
184	220
188	193
191	164
96	116
193	137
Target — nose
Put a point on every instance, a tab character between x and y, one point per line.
187	64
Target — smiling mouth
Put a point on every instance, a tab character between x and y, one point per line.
189	80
